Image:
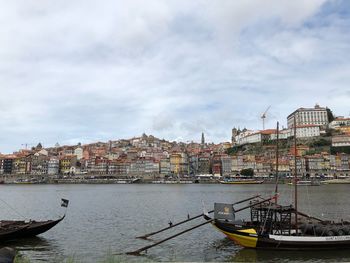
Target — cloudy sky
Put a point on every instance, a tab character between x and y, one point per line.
84	71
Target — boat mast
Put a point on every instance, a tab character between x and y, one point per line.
276	186
295	177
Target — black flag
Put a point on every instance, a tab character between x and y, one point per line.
64	202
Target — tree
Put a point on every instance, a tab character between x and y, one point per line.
330	115
247	172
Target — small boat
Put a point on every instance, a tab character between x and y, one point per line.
337	181
306	183
242	181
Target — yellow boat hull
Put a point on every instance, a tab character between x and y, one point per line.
243	240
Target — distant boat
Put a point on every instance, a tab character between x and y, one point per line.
242	181
337	181
306	183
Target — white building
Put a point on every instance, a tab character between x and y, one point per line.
302	131
306	131
306	116
255	137
79	153
53	166
339	122
341	140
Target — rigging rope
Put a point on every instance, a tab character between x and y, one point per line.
13	209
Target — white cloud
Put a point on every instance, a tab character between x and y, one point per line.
88	70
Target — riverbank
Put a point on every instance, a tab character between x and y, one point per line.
127	181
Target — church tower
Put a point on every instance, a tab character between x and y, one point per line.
203	140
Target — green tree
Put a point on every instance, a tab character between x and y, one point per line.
247	172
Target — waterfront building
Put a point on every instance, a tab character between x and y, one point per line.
7	165
66	163
193	164
184	169
309	116
19	165
1	164
78	152
315	165
151	166
53	166
175	163
101	165
204	164
123	167
216	165
164	166
226	165
234	166
89	165
339	164
300	163
39	164
112	166
144	167
264	167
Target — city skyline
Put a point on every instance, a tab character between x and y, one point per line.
81	72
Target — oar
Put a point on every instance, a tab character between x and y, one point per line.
174	225
190	219
138	251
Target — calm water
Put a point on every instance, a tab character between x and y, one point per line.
104	219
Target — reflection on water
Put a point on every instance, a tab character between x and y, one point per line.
253	255
37	248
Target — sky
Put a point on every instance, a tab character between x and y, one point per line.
86	71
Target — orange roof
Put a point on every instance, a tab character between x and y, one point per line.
268	131
342	119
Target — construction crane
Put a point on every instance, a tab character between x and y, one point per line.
263	116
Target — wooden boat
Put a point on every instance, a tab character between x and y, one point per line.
242	181
33	228
277	227
271	227
29	228
9	232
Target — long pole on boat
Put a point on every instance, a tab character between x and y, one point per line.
190	219
295	177
138	251
276	186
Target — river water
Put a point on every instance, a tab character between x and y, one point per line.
105	219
